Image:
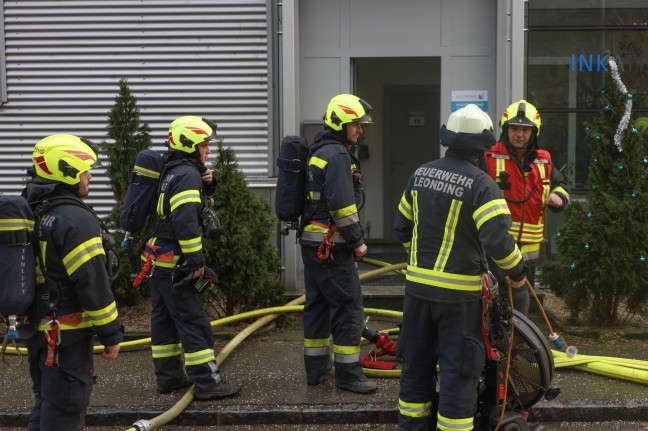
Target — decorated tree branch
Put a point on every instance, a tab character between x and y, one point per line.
601	268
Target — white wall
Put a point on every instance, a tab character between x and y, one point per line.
470	38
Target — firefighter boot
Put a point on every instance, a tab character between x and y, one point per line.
221	389
349	377
182	383
316	380
359	386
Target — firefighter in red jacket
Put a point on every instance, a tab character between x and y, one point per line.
450	218
530	183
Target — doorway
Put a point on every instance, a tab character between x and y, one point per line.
405	95
411	138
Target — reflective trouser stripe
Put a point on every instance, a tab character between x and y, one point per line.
166	350
316	346
200	357
346	354
414	410
447	424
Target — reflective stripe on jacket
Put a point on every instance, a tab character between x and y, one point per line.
526	189
450	213
332	195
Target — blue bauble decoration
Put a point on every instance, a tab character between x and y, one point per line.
633	196
629	96
620	167
642	259
594	187
634	130
587	246
645	161
589	215
602	91
598	138
606	108
587	129
558	234
572	266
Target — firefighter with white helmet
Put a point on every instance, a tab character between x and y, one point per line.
450	218
530	184
74	301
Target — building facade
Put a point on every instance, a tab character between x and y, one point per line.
266	68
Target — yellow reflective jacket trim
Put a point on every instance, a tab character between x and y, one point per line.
413	260
344	212
146	172
405	208
562	191
9	224
320	163
511	260
82	253
104	315
85	323
160	205
184	197
448	235
489	210
443	279
447	424
500	166
40	278
166	350
190	245
414	410
199	357
531	233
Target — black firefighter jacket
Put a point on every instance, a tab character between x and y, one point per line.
74	259
333	196
179	217
450	217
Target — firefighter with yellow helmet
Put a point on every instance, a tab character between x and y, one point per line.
332	238
179	323
450	218
74	301
530	184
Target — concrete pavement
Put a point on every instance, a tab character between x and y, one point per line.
274	390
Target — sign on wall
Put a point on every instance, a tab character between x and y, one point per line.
461	98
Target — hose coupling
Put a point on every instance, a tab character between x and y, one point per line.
142	425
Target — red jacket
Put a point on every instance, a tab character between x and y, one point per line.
526	184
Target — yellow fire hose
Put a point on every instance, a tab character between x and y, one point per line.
626	369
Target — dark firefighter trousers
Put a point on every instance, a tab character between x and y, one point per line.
61	392
178	317
333	306
448	334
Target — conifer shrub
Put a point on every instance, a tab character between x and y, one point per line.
127	137
601	266
246	264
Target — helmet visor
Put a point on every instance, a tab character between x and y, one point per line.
365	119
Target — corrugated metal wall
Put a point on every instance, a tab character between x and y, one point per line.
64	60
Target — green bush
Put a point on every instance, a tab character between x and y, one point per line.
246	264
128	137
